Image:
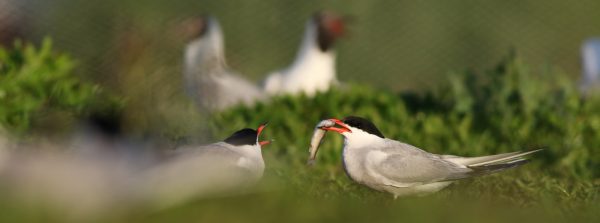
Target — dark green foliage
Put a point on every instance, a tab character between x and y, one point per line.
508	108
37	83
505	109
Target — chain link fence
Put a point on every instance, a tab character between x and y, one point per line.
398	44
135	48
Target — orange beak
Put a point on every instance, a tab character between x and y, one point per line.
343	127
259	130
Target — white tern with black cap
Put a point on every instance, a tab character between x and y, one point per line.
402	169
220	168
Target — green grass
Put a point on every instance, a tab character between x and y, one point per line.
507	108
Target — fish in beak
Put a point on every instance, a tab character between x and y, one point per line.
343	127
319	133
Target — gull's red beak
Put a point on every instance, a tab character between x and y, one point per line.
343	127
259	130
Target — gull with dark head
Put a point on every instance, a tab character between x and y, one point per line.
314	67
208	79
402	169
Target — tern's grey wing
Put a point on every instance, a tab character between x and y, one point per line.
402	165
192	172
216	153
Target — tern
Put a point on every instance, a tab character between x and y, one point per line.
98	177
402	169
314	67
207	78
227	167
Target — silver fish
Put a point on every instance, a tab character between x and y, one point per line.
316	139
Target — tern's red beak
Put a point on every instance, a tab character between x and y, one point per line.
261	127
259	130
343	127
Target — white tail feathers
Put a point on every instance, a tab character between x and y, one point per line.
488	160
484	165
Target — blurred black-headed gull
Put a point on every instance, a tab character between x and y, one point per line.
208	79
402	169
314	69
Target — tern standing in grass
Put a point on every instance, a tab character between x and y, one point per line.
402	169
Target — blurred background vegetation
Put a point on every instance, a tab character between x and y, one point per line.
134	48
38	90
464	78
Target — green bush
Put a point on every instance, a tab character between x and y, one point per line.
505	109
37	82
508	108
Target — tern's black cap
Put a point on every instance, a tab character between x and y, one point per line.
242	137
363	124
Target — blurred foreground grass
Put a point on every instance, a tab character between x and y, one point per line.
510	107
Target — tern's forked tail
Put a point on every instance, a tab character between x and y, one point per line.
490	164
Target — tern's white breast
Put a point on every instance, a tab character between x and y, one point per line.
251	159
